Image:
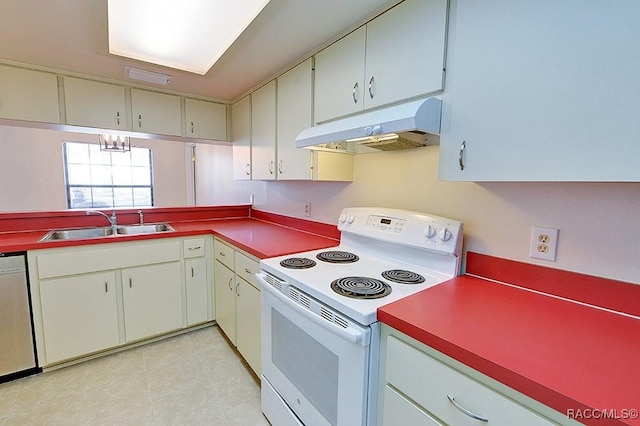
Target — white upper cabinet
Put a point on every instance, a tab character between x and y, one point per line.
339	77
396	56
541	92
263	132
205	120
294	114
405	52
155	112
241	135
28	95
95	104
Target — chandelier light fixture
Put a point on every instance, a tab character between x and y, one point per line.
114	143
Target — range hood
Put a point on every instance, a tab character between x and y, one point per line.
398	127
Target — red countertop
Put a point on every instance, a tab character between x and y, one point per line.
567	355
270	235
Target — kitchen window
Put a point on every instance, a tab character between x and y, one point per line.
97	179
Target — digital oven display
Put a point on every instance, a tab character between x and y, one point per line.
385	221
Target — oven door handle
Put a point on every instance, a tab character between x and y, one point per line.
354	336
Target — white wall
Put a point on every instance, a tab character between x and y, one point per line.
32	172
599	222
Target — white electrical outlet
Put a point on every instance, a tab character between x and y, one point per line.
544	243
307	208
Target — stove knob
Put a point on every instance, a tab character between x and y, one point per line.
445	234
343	218
429	231
351	218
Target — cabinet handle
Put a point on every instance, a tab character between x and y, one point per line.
238	289
192	272
355	88
130	282
247	169
199	247
465	411
271	167
230	286
106	287
370	89
192	127
460	155
247	270
222	254
139	120
280	164
118	118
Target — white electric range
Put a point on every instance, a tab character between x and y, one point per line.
320	335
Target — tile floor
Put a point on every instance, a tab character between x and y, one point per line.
192	379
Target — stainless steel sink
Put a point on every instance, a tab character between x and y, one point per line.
77	234
144	229
88	233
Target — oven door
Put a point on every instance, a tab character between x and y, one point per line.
316	371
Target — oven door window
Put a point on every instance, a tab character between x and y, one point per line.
291	352
319	374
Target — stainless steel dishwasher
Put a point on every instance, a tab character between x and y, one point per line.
18	355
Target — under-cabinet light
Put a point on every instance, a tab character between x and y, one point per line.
189	35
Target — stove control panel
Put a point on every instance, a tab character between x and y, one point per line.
408	228
384	223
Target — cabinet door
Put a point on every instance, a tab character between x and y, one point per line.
206	120
28	95
248	323
295	103
152	298
545	95
225	302
339	77
94	104
241	133
154	112
405	52
263	132
79	315
197	294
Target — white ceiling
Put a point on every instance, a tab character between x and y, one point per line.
71	36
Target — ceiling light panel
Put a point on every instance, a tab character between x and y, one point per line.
189	35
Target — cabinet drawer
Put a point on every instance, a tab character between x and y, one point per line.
193	247
246	268
432	384
223	253
400	411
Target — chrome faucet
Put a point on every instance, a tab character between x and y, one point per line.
113	220
141	217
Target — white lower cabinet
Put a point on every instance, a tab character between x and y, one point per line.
418	387
152	297
79	314
92	298
237	301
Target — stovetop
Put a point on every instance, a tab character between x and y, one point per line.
316	281
375	241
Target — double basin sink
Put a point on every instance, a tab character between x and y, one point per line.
106	231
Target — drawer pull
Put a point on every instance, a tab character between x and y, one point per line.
465	411
222	254
247	270
198	248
